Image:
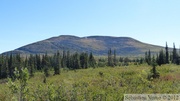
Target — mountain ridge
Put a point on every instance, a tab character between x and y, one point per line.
98	45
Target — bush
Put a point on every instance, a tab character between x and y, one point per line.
19	90
153	73
101	74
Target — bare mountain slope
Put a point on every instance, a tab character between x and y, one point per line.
99	45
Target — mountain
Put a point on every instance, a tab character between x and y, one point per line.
98	45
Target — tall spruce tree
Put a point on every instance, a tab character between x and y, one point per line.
115	60
146	57
68	60
157	58
45	64
154	72
31	65
26	62
10	66
92	61
57	63
174	55
17	61
75	61
162	58
110	59
38	62
4	66
149	57
84	60
167	54
63	60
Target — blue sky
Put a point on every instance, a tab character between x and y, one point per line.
27	21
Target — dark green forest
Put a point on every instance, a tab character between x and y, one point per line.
45	63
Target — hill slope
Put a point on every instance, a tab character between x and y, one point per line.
99	45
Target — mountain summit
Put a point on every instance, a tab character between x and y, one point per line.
98	45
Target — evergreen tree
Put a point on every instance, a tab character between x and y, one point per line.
92	61
141	60
146	57
26	62
167	54
121	59
154	73
149	57
10	66
38	62
126	61
81	60
45	65
153	63
175	56
84	60
34	62
171	57
31	65
57	64
157	59
162	58
17	61
63	60
75	61
4	66
68	61
115	60
110	61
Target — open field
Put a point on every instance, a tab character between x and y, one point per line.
99	84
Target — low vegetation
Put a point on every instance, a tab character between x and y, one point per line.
91	84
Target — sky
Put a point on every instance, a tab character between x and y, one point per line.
27	21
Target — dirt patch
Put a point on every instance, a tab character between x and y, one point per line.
170	77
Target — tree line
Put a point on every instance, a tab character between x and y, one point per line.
45	63
65	59
163	57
